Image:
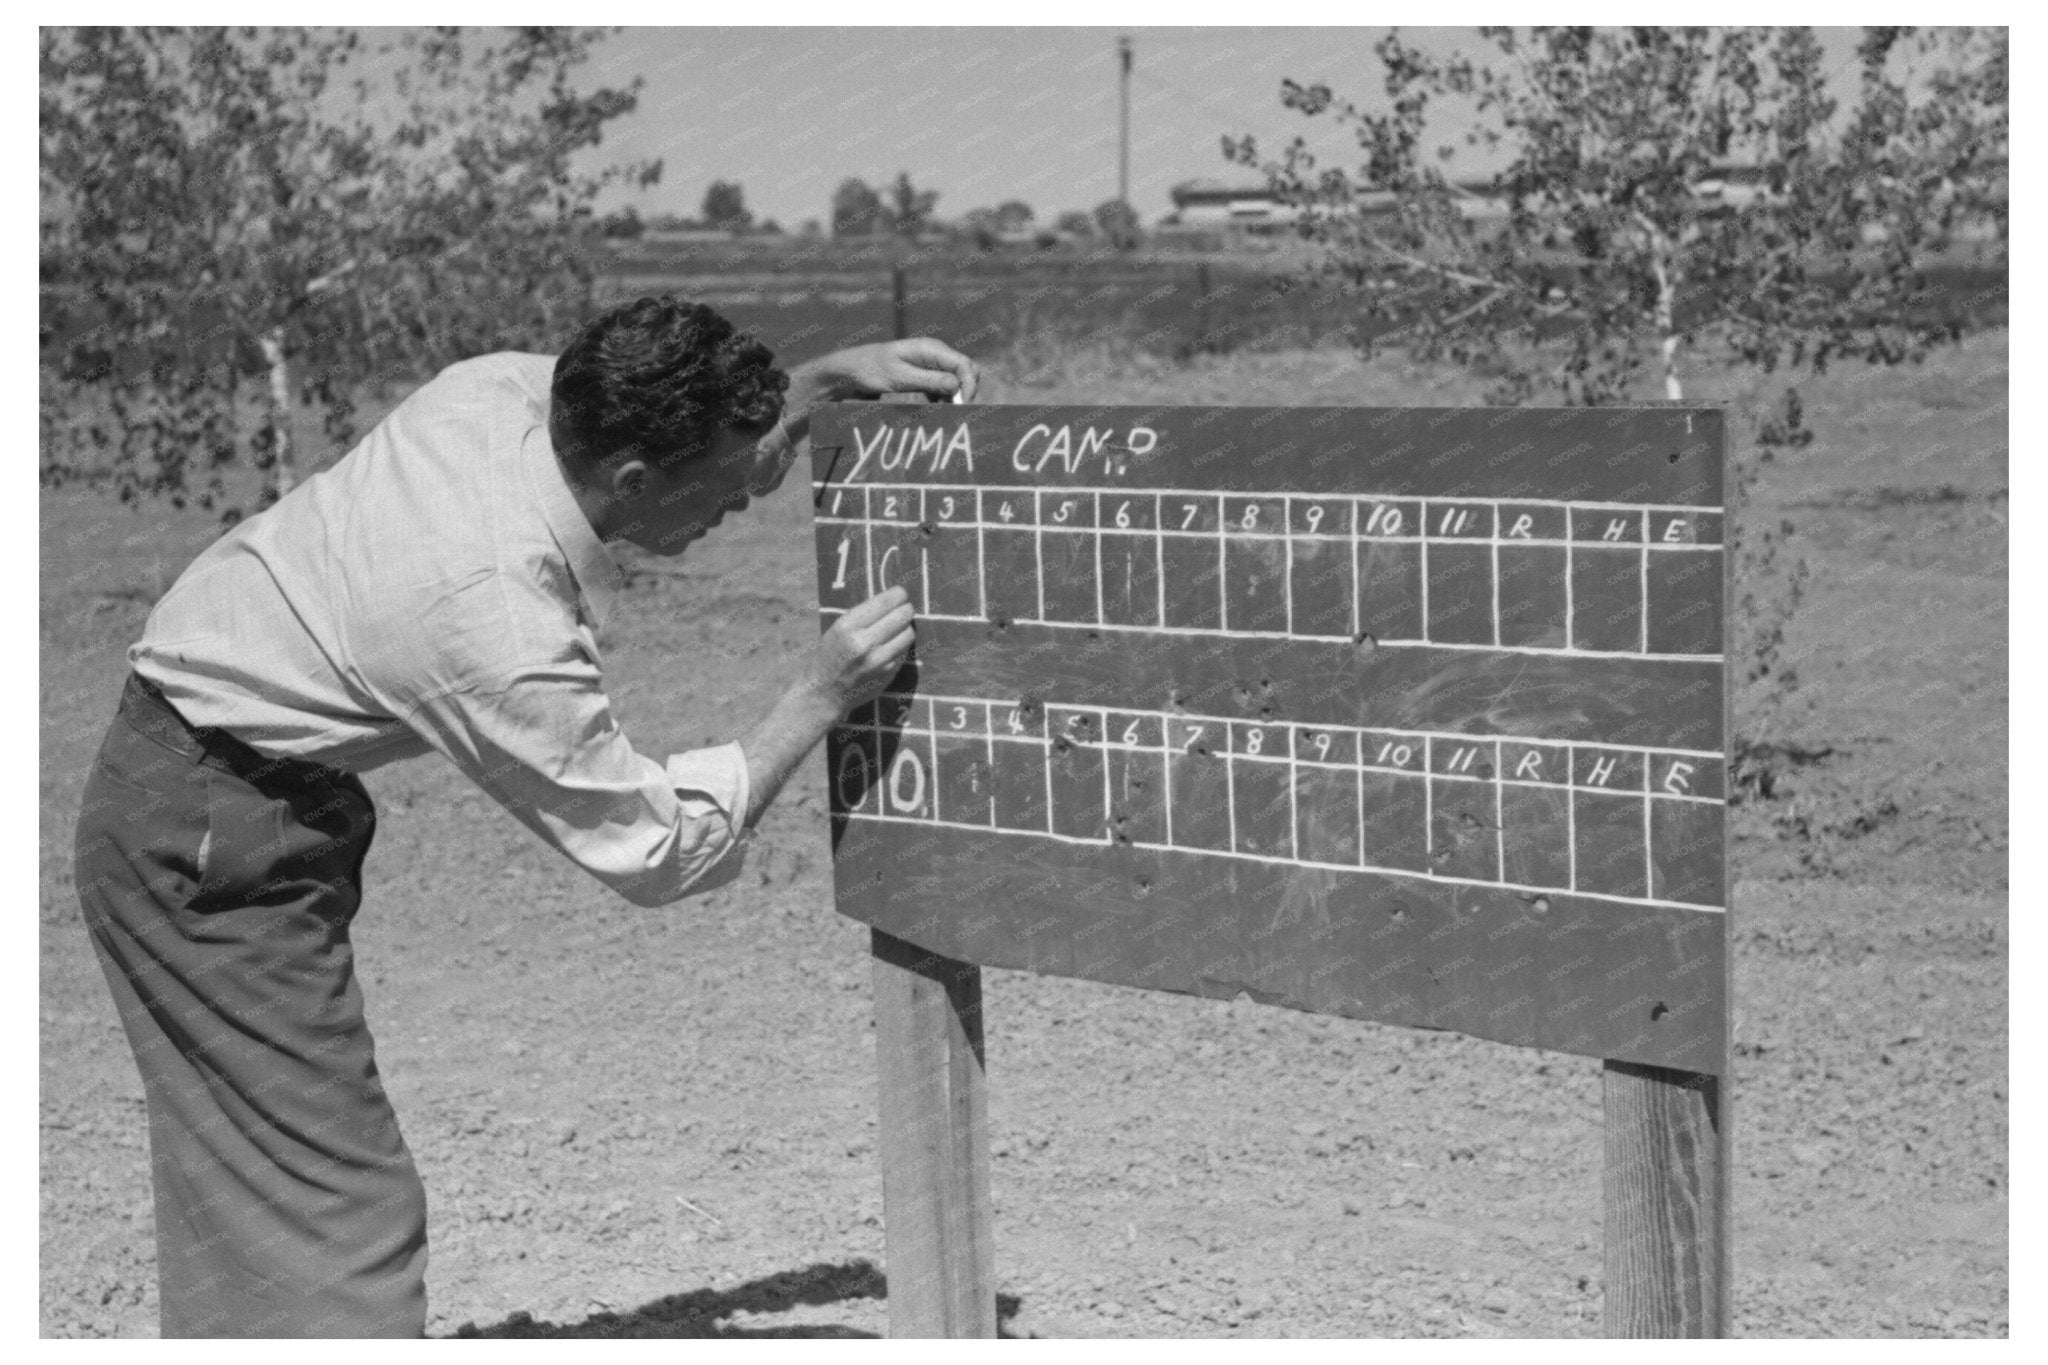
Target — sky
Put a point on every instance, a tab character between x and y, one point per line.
979	114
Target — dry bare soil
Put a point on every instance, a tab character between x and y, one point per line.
663	1123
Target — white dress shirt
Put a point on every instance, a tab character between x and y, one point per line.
439	589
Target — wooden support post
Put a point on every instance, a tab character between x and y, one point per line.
1665	1188
898	289
936	1215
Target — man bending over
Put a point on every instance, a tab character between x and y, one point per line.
439	588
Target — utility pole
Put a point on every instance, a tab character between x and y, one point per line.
1123	141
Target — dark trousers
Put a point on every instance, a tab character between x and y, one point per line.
218	886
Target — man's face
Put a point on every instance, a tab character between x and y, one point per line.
678	505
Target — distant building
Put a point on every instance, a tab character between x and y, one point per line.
1212	205
683	236
1251	207
1733	187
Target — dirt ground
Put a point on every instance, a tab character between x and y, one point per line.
663	1123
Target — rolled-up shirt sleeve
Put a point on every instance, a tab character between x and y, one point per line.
542	742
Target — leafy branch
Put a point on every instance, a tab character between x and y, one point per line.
292	215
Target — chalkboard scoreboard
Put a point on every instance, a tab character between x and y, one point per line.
1413	715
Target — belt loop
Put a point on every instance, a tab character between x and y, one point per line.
146	710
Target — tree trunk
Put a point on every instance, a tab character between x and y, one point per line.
281	477
1666	328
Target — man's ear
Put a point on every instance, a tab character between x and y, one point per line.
627	478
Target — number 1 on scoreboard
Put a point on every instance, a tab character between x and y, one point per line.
844	578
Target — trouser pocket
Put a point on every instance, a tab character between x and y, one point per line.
299	835
243	843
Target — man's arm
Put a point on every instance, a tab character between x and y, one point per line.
920	365
851	664
865	647
541	740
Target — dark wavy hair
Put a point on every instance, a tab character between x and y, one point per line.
659	378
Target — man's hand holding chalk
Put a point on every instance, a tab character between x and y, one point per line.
923	365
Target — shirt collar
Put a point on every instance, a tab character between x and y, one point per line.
597	573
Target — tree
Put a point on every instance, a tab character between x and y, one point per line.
1666	193
222	212
857	211
725	207
910	207
1013	215
1119	224
1611	235
624	223
979	226
1075	224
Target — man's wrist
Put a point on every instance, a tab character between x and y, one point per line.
814	382
785	736
813	706
810	384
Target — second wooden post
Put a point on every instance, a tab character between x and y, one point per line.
1666	1193
936	1215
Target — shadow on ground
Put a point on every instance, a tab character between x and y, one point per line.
706	1312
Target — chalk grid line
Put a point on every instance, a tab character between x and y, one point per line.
916	499
862	740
